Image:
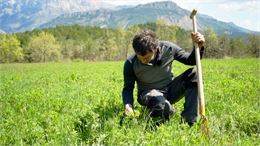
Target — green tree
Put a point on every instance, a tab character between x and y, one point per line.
114	52
67	49
183	39
44	47
127	44
77	50
224	44
237	47
10	49
254	45
131	32
166	31
89	49
123	40
107	46
211	44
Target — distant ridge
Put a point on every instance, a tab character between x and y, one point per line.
26	15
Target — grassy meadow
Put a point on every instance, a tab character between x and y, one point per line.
80	103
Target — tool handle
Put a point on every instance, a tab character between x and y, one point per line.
199	69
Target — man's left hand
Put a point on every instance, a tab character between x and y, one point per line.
198	38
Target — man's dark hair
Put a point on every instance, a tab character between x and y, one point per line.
145	42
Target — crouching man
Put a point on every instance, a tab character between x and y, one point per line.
151	68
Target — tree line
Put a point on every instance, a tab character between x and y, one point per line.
76	43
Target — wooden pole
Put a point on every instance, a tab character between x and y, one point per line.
200	80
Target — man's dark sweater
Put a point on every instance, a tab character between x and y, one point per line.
156	74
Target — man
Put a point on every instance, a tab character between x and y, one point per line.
150	67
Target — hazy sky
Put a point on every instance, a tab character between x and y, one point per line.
244	13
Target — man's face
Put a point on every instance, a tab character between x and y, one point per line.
145	59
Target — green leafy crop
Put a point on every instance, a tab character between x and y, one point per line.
81	104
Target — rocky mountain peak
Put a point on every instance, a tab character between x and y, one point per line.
160	5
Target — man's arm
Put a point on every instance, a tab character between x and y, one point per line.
189	58
129	82
185	57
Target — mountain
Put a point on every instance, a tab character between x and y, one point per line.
167	11
21	15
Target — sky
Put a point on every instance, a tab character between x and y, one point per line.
244	13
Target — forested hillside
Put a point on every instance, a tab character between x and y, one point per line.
76	43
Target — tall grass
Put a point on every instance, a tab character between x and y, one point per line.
81	103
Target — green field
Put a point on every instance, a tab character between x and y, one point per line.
80	103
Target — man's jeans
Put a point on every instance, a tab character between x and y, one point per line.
183	85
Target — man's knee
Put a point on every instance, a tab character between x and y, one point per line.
190	77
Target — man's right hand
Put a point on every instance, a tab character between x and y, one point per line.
129	109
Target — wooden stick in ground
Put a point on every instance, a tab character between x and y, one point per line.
200	80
